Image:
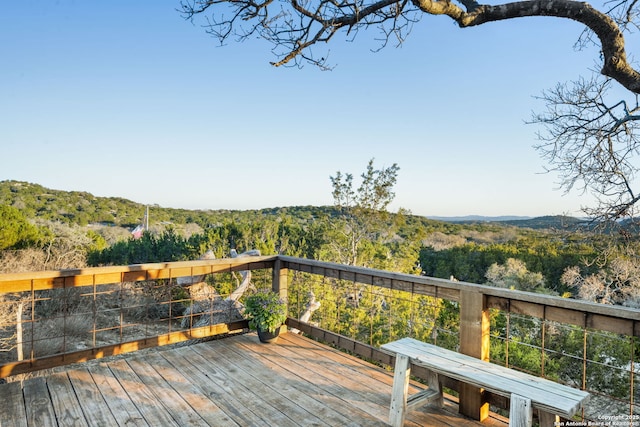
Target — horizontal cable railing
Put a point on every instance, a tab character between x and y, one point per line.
588	346
58	317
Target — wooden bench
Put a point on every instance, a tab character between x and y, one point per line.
525	391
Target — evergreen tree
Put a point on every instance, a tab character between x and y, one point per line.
16	232
362	212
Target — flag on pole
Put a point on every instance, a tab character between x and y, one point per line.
137	232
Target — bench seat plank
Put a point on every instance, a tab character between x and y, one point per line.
545	395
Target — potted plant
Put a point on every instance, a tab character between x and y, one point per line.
266	312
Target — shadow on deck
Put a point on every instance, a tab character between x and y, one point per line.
234	381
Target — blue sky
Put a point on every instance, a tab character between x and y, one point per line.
128	99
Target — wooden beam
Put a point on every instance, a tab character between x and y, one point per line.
41	280
474	341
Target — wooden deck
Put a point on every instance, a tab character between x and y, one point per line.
234	381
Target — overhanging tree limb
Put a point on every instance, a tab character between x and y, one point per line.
295	26
591	140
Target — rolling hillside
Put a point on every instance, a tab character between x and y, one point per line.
82	208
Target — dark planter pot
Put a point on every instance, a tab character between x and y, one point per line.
268	337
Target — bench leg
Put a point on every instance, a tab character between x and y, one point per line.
433	381
520	412
548	420
400	390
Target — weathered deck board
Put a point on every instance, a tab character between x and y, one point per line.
182	413
293	387
91	400
231	382
151	408
201	404
252	393
12	412
273	387
230	401
303	369
38	406
66	410
122	407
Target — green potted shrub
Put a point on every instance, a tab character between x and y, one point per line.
266	312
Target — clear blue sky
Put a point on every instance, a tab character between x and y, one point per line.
128	99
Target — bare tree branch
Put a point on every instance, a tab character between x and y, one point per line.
590	140
295	26
592	144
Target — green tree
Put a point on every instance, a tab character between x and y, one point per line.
362	211
542	252
16	232
165	247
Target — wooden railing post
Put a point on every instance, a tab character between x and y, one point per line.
281	283
474	341
280	279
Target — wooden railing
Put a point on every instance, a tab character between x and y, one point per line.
92	295
52	318
479	306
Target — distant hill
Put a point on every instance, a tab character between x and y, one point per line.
479	218
82	208
550	222
555	222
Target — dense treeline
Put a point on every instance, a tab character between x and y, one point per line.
82	208
545	253
29	214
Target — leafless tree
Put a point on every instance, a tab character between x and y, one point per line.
294	27
590	139
619	283
513	274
